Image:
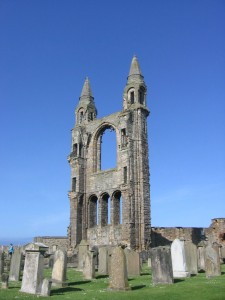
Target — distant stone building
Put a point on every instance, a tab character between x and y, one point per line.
108	207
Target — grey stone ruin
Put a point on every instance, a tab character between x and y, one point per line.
33	281
59	269
133	262
179	259
82	249
118	279
89	265
1	263
15	266
201	255
212	260
5	281
103	260
161	262
191	257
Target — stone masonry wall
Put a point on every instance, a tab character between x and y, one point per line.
53	242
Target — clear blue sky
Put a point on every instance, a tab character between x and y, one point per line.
47	49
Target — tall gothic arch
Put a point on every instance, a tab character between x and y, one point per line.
95	194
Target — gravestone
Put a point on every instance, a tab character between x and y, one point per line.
191	257
82	249
89	265
201	255
149	262
33	269
59	269
118	279
5	281
161	262
212	260
133	262
103	260
1	263
15	265
46	287
178	259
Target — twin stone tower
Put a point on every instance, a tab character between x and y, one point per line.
111	207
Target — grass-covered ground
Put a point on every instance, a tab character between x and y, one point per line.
194	288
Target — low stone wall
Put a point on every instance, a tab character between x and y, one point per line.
53	242
163	236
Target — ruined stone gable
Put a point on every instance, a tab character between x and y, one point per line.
111	206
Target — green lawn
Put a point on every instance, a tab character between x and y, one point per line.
194	288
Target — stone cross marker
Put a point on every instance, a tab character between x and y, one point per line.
161	262
59	269
89	265
179	259
133	262
15	266
212	260
118	271
32	281
191	257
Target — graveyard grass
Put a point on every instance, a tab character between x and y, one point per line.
194	288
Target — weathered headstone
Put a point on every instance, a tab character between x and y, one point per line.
33	269
59	269
201	255
212	260
178	259
1	263
133	262
46	287
5	280
103	260
191	257
149	262
162	270
15	266
82	249
89	265
118	279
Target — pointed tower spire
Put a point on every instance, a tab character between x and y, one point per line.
86	110
135	74
86	91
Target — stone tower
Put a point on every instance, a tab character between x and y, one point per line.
111	206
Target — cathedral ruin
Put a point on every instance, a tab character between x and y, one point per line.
111	207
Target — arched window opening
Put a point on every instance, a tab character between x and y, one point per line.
123	137
81	116
81	150
93	211
117	208
75	149
79	219
108	149
132	97
105	210
141	96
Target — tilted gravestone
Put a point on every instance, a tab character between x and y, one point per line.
161	262
103	260
212	260
133	262
118	279
201	255
191	257
32	281
15	266
5	280
59	269
179	259
82	249
89	265
1	263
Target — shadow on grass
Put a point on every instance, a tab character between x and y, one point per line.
222	273
79	282
178	280
101	276
61	291
146	273
137	287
